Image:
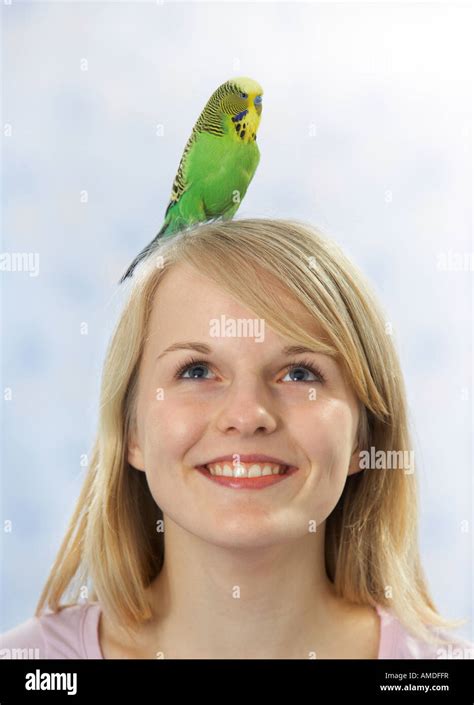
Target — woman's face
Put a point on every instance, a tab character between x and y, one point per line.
243	400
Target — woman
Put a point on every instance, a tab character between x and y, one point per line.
229	510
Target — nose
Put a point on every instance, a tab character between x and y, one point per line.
246	410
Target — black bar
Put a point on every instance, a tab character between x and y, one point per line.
424	681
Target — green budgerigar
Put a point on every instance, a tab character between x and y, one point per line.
218	162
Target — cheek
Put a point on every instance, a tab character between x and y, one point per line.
171	428
327	425
325	435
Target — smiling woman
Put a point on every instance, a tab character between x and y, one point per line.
228	464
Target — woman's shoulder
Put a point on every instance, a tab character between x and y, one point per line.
69	633
396	642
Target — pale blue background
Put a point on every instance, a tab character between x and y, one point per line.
387	173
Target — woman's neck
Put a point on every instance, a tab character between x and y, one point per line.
261	602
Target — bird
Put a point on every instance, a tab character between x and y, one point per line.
218	162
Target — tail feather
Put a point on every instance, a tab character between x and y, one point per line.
143	254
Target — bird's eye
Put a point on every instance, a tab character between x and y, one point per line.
243	95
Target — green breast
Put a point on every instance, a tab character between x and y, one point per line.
219	168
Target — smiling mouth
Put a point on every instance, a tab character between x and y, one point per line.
245	470
246	476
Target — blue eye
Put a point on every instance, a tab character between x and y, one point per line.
191	365
244	95
307	366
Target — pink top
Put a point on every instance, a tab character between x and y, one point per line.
73	633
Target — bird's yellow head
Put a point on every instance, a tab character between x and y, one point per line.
241	103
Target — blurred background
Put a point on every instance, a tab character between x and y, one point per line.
366	133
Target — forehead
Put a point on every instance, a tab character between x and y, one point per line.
186	301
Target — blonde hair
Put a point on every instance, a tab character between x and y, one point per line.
371	542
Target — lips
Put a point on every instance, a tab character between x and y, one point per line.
246	483
249	479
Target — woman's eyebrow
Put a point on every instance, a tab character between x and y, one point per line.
200	347
206	349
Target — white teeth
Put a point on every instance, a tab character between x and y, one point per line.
245	470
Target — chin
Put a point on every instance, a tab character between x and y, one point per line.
245	535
